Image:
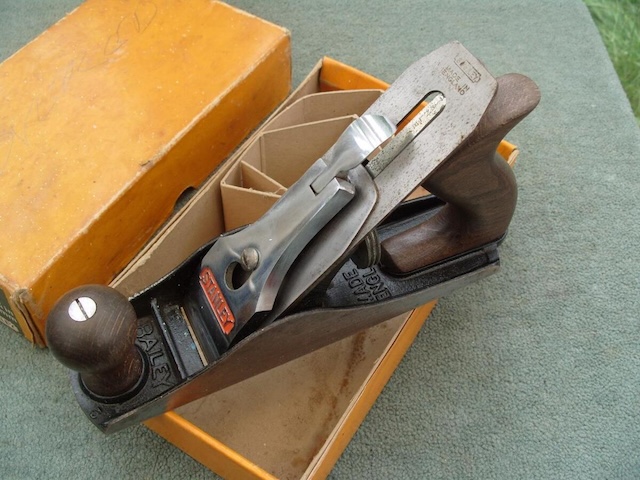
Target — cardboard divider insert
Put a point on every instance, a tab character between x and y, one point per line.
246	194
323	106
271	164
287	145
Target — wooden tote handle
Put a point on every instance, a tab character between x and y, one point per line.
478	186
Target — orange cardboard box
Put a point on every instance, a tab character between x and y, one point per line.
293	421
105	120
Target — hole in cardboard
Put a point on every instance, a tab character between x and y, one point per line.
183	198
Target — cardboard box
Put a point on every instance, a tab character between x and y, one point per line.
106	119
293	421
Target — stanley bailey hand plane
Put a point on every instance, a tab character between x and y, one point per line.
292	282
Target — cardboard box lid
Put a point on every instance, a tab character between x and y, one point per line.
106	118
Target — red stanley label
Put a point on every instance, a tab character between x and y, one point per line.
216	299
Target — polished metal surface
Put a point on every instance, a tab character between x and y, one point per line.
277	237
329	244
405	136
467	98
353	146
266	249
312	212
421	152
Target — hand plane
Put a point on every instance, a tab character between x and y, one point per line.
267	293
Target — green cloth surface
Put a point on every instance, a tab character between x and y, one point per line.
532	373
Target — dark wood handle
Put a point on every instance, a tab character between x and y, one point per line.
92	330
479	188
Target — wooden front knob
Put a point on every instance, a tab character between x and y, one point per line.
92	330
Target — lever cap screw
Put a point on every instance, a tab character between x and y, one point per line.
250	259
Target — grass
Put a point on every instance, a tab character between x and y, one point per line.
619	25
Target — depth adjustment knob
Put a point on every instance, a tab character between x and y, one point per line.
92	330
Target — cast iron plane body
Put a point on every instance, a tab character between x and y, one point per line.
175	372
341	251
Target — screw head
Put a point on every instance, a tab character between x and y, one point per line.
249	259
82	309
